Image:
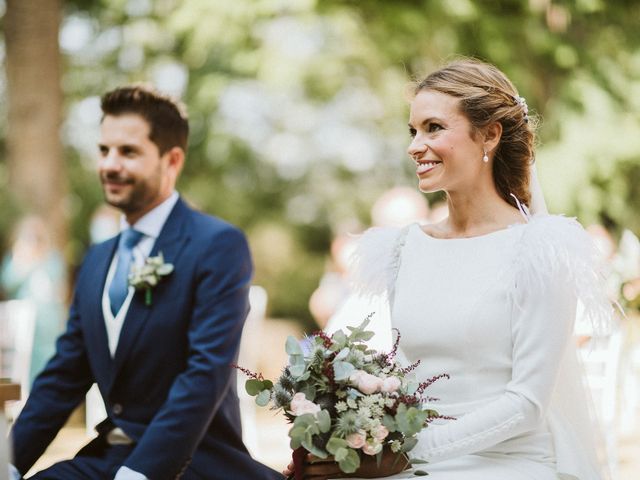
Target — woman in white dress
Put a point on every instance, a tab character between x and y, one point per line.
487	295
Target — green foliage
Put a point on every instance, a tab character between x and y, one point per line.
298	110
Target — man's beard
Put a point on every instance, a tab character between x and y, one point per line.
136	198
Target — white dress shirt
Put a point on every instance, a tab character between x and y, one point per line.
150	226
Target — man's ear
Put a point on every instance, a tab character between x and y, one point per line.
492	136
175	160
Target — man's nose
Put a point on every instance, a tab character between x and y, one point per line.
110	160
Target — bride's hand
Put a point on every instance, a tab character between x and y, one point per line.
322	469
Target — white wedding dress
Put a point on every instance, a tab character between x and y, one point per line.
495	313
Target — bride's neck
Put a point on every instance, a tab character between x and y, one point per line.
474	215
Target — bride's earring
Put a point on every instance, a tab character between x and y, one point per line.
485	157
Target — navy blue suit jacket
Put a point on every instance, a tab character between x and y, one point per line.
169	386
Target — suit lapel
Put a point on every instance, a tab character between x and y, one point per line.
97	333
170	242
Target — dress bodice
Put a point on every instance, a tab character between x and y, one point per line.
452	308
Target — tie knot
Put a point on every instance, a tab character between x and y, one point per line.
129	238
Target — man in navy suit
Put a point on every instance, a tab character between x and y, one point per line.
161	361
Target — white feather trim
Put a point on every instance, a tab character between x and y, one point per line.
555	247
375	262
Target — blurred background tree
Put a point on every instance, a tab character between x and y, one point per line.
298	108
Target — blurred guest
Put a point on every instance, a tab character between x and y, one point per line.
34	271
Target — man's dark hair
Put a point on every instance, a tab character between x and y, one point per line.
167	118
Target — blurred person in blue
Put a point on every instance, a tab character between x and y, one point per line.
34	271
161	354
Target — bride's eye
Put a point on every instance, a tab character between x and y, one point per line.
412	132
434	127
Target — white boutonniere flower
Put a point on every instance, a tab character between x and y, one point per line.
146	277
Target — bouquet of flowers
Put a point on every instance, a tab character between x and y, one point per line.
345	400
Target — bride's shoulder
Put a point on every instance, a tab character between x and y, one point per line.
556	250
376	258
554	235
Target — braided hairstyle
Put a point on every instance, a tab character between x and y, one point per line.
487	96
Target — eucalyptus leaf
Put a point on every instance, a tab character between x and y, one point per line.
335	443
263	398
309	391
341	454
292	347
342	354
324	421
297	370
417	461
408	444
351	462
342	370
307	443
420	473
253	386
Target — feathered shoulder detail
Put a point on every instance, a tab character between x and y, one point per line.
375	261
557	248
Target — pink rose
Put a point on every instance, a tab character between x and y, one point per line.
300	405
391	384
380	433
365	382
356	440
372	447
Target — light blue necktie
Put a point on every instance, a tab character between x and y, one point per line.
119	287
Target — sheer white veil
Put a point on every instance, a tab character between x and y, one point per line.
579	442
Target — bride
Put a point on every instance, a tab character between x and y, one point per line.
488	295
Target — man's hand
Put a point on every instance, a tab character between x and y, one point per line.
322	469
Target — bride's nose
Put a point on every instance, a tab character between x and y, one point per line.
416	149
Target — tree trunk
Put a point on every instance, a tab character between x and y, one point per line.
37	174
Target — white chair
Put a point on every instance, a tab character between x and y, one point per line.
250	348
4	449
601	359
17	328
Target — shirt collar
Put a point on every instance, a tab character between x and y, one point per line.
152	222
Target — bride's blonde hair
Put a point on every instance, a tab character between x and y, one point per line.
487	96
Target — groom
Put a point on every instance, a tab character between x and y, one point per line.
160	358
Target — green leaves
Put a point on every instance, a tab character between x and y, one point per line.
347	458
305	427
342	370
409	421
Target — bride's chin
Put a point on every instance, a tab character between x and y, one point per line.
427	187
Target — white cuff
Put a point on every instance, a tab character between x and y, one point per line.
125	473
14	474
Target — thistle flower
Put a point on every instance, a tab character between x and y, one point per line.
347	424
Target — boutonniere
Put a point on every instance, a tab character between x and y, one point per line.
147	276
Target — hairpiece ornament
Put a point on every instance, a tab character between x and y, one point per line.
523	104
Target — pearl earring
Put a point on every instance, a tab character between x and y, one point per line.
485	157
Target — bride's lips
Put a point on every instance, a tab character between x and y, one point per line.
425	166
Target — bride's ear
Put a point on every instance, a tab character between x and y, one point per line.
492	135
